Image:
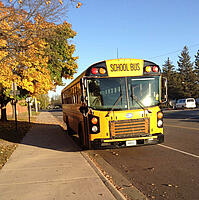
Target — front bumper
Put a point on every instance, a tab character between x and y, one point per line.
126	142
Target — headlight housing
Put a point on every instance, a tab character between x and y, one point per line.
159	119
94	124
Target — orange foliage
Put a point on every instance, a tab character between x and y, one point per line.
22	56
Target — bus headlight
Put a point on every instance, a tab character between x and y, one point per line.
94	129
94	124
159	119
160	123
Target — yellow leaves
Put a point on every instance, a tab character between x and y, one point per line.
29	44
3	54
78	5
36	80
28	68
27	84
48	2
60	1
5	75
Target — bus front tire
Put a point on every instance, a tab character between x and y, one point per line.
160	138
80	134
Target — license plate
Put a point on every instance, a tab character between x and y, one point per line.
131	143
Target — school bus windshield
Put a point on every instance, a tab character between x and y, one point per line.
123	93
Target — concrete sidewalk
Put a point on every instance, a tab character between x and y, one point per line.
47	165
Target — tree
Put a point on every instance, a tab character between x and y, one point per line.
25	66
44	101
14	15
56	100
172	78
23	55
197	73
60	53
187	75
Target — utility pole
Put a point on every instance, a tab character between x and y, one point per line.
36	106
28	99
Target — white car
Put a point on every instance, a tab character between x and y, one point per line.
186	103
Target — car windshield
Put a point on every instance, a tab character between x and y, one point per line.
181	101
190	100
123	93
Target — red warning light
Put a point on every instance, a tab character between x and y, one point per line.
155	69
94	70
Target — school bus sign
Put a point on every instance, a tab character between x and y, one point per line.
125	67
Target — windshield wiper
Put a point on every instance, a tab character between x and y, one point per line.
115	104
138	101
117	101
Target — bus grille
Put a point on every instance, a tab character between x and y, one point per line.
129	128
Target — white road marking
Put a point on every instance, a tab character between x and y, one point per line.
186	153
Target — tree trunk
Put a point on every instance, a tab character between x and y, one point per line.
3	102
3	112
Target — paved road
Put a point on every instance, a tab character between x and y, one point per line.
165	171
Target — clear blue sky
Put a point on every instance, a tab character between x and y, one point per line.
146	29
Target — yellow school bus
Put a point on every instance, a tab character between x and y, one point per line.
115	103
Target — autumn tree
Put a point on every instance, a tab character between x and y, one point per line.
27	67
61	61
25	56
28	11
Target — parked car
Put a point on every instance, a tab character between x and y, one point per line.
186	103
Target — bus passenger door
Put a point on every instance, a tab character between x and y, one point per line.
84	135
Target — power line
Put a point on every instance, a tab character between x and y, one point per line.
172	52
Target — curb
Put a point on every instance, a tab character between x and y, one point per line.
118	195
119	182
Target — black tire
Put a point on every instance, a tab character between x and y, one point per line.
81	139
80	134
96	145
160	138
69	130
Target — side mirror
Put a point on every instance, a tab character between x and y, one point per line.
83	110
164	90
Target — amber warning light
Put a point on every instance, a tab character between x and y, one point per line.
94	120
153	69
